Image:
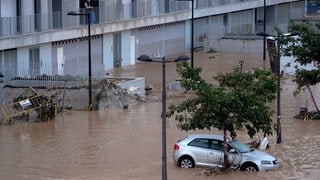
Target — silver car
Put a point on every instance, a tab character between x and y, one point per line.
207	150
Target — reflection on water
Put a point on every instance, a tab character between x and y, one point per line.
116	143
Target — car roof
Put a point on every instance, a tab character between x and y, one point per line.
210	136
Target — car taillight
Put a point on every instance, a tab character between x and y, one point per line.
176	147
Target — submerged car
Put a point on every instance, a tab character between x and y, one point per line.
207	150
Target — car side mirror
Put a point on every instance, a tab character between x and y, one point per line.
232	151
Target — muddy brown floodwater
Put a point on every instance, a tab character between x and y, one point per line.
118	144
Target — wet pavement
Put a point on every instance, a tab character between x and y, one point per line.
115	143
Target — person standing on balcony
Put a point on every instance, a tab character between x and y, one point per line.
89	5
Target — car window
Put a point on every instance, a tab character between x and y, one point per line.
182	139
242	148
217	145
199	142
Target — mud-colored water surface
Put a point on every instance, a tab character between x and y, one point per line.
117	144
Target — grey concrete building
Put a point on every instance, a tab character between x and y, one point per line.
37	37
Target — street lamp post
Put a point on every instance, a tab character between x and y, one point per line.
71	13
279	136
192	17
264	38
192	33
278	36
146	58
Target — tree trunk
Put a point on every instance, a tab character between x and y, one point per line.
225	152
312	98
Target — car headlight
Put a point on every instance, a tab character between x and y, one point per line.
266	162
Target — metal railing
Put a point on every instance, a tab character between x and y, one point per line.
75	74
22	25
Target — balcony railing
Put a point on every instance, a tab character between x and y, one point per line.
22	25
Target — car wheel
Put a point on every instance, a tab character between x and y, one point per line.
186	162
250	167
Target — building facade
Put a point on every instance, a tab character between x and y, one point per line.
37	37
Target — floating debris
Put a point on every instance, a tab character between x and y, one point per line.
30	103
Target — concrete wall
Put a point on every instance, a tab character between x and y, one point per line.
45	60
237	45
219	43
134	82
157	41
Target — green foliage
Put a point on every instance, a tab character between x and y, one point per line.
306	49
305	78
240	102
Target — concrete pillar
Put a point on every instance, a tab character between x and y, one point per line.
44	15
127	9
23	62
125	48
46	59
107	51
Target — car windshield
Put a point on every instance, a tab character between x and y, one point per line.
242	148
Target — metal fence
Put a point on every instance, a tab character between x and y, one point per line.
73	79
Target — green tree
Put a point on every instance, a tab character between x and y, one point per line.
306	49
239	102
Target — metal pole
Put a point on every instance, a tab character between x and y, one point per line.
264	38
241	63
278	95
192	16
164	128
146	58
89	62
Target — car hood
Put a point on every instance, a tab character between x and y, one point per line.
258	155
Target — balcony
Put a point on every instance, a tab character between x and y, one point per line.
24	25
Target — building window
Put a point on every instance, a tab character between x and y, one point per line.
57	14
37	15
313	7
18	9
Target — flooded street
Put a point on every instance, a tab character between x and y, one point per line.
117	144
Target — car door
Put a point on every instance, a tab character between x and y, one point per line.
215	153
199	148
234	157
